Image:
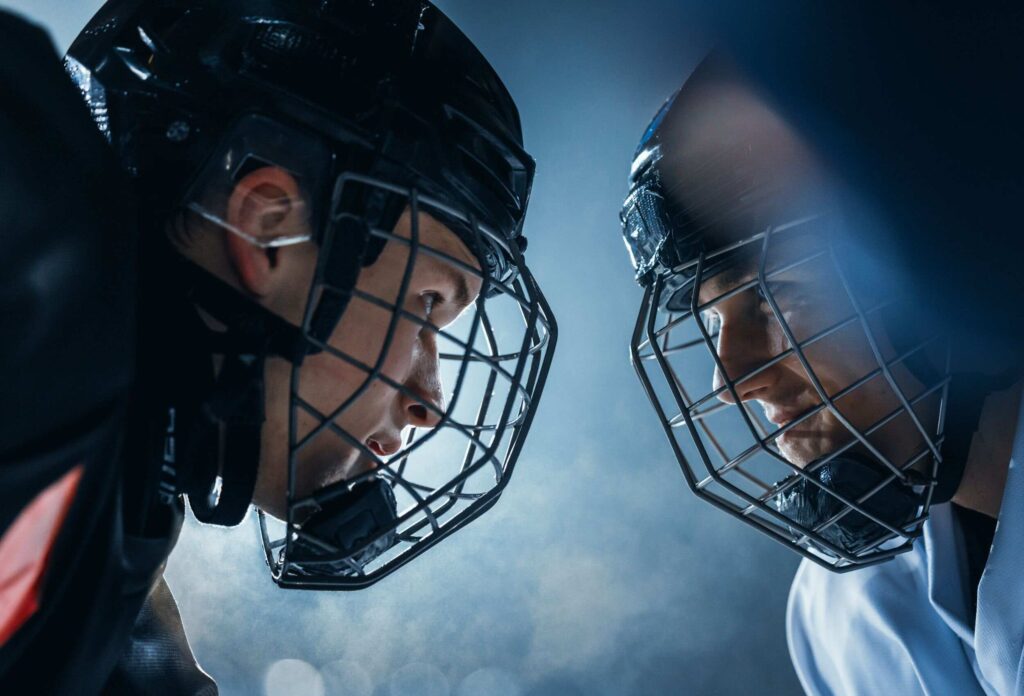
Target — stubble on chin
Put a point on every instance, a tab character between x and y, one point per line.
813	439
334	469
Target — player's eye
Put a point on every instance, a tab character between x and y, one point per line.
789	295
763	292
431	301
712	321
783	293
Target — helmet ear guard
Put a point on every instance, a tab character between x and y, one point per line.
230	422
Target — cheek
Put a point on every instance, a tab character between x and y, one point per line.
365	332
404	347
377	344
326	381
852	371
870	404
819	436
272	473
362	331
841	359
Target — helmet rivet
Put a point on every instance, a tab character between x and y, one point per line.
178	131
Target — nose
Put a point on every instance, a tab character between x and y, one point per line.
743	346
422	397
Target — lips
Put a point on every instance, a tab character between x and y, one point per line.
347	464
384	444
781	417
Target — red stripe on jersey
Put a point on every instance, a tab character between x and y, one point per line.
25	549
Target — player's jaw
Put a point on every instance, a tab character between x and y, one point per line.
811	437
804	431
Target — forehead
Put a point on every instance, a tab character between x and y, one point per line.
793	257
436	236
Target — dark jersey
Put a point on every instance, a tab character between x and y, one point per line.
67	369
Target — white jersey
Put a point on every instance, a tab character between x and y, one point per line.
903	627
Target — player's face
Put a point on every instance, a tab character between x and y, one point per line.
437	292
811	300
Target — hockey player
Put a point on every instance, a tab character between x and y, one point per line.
808	388
282	264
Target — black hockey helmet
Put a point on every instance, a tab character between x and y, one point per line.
394	87
377	108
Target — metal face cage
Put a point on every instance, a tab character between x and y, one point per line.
452	464
778	374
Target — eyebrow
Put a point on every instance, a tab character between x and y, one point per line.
722	282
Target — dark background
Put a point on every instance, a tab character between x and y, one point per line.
597	573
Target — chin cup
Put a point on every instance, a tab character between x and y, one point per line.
332	539
811	505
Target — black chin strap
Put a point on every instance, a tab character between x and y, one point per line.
206	425
230	423
225	442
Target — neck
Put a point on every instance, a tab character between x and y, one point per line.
989	459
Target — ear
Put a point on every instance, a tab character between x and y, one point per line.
264	205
